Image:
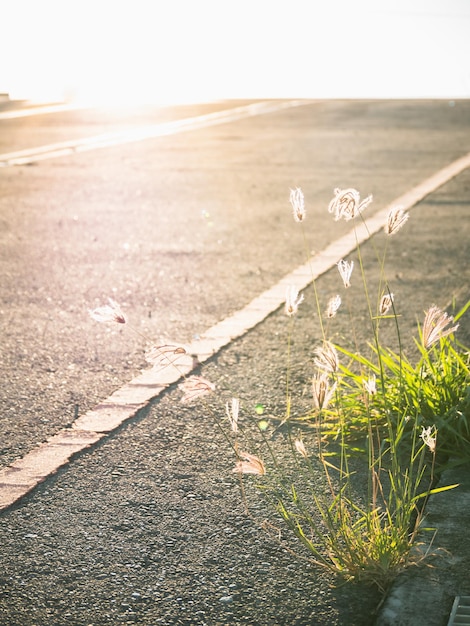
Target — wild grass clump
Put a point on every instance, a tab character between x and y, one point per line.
403	420
431	393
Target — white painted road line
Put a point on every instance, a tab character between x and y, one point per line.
40	109
23	475
106	140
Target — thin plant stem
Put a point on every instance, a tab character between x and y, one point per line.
317	299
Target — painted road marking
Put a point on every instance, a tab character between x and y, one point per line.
23	475
106	140
40	110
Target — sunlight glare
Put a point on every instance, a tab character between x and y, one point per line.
161	52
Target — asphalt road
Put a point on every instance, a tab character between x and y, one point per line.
181	230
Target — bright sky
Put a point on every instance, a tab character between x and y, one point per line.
178	50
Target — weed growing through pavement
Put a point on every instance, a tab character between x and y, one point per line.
404	421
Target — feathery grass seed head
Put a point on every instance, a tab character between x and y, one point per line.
345	269
322	391
298	204
434	326
300	447
108	313
327	358
194	387
250	464
370	385
347	204
385	303
333	305
162	356
292	300
429	436
232	410
397	218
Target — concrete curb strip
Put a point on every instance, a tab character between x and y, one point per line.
422	598
23	475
